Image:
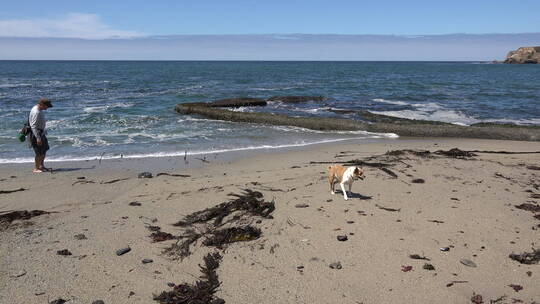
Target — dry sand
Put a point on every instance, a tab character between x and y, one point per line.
466	205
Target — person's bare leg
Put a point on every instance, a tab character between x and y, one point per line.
42	163
38	163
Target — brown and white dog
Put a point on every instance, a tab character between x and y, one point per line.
345	176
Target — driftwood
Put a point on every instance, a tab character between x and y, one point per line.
11	191
202	292
114	181
83	182
172	174
388	209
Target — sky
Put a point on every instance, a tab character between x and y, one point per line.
124	20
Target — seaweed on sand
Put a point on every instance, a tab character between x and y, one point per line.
249	202
160	236
455	153
7	217
230	235
529	207
207	223
420	153
202	292
528	258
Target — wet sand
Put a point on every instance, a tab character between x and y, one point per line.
467	205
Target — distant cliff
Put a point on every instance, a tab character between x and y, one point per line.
524	55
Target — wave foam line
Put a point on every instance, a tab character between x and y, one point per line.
182	153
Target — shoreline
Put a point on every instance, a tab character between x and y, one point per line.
203	159
467	205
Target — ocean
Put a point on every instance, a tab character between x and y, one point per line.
113	109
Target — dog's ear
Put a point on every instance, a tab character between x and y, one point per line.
356	170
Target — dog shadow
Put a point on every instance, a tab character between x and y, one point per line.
355	195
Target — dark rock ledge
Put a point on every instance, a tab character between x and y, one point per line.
374	123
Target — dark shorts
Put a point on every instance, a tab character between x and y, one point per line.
40	150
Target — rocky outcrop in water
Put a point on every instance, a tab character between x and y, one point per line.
237	102
376	124
296	99
523	55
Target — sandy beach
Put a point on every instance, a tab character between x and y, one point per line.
458	215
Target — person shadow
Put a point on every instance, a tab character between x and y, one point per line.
57	170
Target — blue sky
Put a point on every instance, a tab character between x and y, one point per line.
166	17
266	30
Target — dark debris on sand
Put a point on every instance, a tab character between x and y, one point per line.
455	153
250	202
528	258
529	207
230	235
160	236
202	292
11	191
7	217
418	257
210	222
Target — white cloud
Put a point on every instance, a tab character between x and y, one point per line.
74	25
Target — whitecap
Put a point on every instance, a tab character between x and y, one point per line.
395	102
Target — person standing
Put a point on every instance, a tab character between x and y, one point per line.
38	136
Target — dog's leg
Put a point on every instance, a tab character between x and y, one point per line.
344	192
350	185
332	184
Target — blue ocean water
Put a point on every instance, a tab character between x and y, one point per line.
112	108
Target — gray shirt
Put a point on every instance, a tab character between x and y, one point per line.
37	122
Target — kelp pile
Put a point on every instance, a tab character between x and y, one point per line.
210	224
221	237
7	217
202	292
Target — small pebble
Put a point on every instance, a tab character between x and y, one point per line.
80	236
342	238
467	262
98	302
122	251
146	261
64	252
301	205
336	265
145	175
